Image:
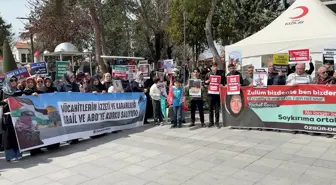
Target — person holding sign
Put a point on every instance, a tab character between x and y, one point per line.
299	77
214	79
195	92
155	95
95	86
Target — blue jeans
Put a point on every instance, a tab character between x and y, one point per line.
13	154
177	117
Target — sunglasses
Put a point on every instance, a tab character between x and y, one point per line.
13	80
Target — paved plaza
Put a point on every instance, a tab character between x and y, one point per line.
198	156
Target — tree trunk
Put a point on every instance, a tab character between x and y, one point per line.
208	32
97	29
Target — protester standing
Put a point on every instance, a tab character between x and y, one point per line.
299	77
12	152
214	99
197	102
177	104
155	95
248	81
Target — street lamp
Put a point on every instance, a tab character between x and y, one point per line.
31	38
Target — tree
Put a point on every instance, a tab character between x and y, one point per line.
237	19
5	32
8	61
72	24
208	32
195	15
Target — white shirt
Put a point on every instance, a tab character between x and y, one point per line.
155	92
299	79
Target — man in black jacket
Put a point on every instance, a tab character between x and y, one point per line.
214	99
233	71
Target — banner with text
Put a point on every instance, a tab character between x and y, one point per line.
58	117
309	108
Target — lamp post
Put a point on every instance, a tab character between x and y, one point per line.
31	38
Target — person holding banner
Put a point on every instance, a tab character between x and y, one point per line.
31	87
39	84
9	141
107	80
68	83
95	86
299	77
48	86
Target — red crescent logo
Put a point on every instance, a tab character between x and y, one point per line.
304	9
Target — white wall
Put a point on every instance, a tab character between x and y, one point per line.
17	54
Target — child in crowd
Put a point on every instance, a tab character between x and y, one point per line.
177	104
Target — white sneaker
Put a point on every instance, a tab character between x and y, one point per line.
162	123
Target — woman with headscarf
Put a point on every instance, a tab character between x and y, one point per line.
31	87
48	86
39	84
107	80
9	140
95	86
69	83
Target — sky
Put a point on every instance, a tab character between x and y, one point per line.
10	9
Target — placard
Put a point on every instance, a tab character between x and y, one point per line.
299	56
213	88
280	62
117	86
144	70
168	66
260	78
21	73
61	68
233	84
132	72
120	71
195	87
215	79
39	68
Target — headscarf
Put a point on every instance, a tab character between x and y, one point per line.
8	89
39	79
30	91
106	83
67	76
99	87
50	89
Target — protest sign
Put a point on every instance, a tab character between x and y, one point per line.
117	86
328	55
39	68
21	73
144	70
120	71
59	117
214	81
307	108
195	88
260	78
132	72
280	62
61	68
299	56
233	84
168	66
235	58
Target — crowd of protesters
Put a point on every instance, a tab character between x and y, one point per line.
154	88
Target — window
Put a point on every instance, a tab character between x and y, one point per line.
23	58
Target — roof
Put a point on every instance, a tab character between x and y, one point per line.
305	24
22	45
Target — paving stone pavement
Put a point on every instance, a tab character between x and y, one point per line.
198	156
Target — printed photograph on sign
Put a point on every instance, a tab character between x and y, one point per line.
37	68
235	57
145	71
117	86
168	66
195	87
54	118
21	73
260	78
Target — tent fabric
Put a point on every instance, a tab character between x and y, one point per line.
305	24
